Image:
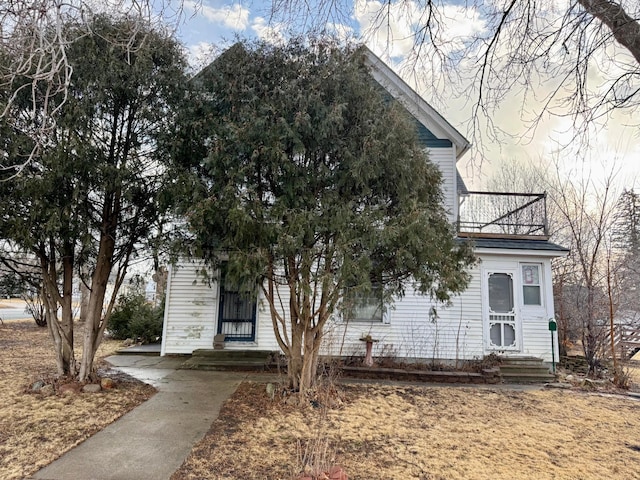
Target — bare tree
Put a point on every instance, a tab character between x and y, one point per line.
585	207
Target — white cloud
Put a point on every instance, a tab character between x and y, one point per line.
268	31
458	26
235	17
386	29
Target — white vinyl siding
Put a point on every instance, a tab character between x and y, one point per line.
413	326
190	311
191	314
445	159
413	331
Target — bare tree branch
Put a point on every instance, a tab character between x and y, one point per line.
579	59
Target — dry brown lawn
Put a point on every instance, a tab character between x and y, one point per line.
373	431
37	429
416	432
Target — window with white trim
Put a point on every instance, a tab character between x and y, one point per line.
531	284
364	307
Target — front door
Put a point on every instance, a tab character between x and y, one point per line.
236	313
502	327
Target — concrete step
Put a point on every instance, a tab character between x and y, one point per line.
151	349
231	354
504	360
246	365
229	360
524	369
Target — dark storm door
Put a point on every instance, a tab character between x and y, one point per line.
236	314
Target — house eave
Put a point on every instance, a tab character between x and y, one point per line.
521	252
511	245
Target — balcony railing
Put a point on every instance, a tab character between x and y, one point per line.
495	214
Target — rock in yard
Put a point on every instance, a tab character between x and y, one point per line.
107	383
337	473
37	386
558	385
271	390
591	384
91	388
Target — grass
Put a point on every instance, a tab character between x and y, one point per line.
415	432
37	429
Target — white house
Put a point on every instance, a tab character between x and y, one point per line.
505	309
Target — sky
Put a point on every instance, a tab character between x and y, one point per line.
209	26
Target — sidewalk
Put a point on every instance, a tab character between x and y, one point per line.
151	441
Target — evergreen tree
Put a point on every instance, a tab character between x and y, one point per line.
313	182
87	202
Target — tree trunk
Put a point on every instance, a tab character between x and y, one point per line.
50	311
309	361
296	356
306	323
66	302
303	362
94	326
160	277
84	301
612	330
61	329
623	26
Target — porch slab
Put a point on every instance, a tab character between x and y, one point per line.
151	349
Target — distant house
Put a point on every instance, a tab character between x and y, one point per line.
505	309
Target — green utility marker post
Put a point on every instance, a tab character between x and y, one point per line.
553	326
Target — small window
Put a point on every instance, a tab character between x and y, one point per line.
531	294
360	307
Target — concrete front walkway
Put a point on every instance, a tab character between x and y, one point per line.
151	441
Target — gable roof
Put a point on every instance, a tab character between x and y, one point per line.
433	127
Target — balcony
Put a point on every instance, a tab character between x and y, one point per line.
502	215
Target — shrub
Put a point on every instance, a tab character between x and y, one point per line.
622	377
34	306
133	317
